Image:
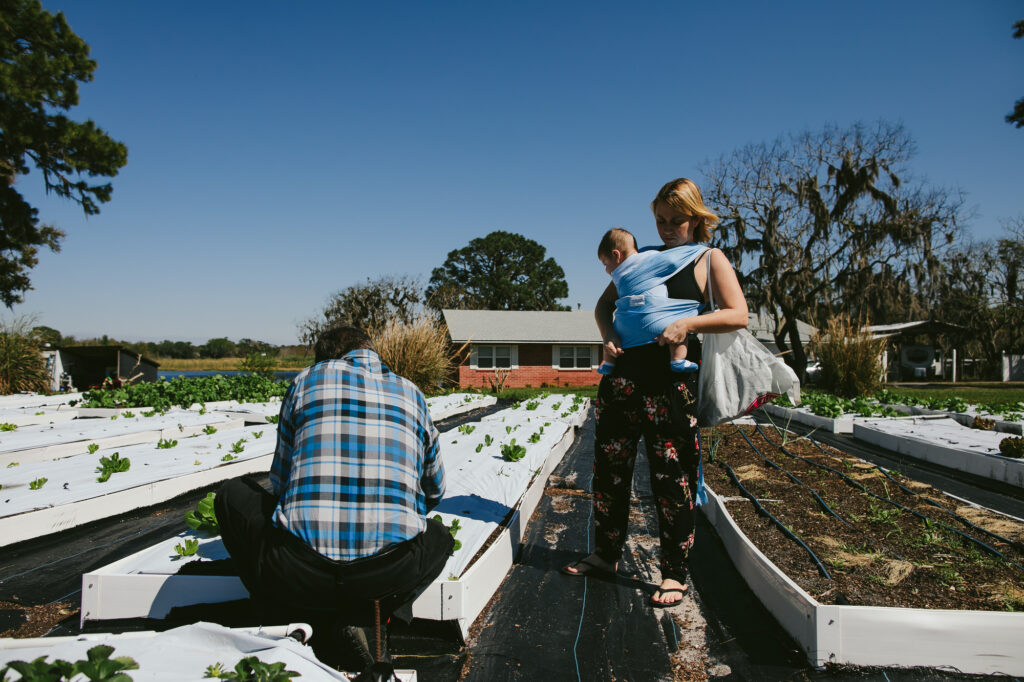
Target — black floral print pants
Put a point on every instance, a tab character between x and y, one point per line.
665	419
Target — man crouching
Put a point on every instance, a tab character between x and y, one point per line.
355	471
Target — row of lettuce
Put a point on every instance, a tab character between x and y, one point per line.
881	403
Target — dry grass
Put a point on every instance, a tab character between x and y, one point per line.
22	367
229	364
418	351
851	361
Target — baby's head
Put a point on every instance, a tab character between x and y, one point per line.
616	245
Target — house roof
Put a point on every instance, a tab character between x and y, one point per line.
913	328
522	326
575	326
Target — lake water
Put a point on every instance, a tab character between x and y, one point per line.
170	374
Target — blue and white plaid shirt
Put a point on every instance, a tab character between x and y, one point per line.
357	465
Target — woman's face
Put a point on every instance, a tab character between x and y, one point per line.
674	228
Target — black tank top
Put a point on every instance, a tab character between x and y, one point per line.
683	284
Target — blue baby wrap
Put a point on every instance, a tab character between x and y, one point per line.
640	315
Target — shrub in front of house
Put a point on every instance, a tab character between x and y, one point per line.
851	361
418	351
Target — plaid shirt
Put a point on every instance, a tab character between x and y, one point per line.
357	465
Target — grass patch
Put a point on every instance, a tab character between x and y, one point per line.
992	395
286	364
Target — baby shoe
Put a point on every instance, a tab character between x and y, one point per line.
681	366
607	368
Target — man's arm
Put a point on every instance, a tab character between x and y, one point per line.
281	467
432	478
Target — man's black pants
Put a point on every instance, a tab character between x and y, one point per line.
288	579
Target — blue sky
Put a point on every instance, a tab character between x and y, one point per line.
279	152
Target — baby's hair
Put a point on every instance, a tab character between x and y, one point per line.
616	238
684	196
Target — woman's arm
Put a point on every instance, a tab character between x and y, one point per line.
732	306
603	313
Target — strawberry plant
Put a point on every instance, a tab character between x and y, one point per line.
251	669
92	448
512	452
453	529
203	518
97	667
190	547
209	429
1012	447
166	444
38	483
8	427
112	465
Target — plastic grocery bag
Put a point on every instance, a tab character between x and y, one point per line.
738	375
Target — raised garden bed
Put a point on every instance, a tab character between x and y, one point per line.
944	441
853	571
490	496
42	442
39	498
185	653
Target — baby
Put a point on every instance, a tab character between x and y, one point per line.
643	311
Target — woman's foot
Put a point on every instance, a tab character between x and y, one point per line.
669	593
590	564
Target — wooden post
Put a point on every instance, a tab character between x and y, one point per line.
954	365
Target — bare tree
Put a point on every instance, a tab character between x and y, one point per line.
828	221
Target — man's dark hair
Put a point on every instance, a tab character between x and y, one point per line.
334	342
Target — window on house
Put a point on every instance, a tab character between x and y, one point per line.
491	357
575	357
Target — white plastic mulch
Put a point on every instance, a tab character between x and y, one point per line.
73	479
17	400
481	487
941	431
184	653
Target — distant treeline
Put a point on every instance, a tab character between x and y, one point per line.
183	350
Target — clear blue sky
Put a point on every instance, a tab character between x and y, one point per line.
281	151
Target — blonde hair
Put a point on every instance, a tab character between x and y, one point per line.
683	195
617	238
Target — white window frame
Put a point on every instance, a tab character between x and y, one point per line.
474	355
556	357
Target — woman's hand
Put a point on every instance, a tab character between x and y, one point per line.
675	332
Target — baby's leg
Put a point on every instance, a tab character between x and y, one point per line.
679	362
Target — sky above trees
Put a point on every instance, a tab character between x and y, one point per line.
279	152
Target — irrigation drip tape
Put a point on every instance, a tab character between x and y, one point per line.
927	500
988	548
764	512
870	540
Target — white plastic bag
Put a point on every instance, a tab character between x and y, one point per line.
738	375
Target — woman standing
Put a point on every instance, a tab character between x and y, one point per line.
642	398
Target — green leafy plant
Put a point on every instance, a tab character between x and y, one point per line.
467	429
228	457
11	464
185	392
237	447
8	427
149	413
251	669
92	448
557	406
488	440
479	447
508	429
127	414
209	429
1012	446
189	548
38	483
112	465
257	434
166	444
273	418
453	529
532	405
534	437
203	518
97	667
513	452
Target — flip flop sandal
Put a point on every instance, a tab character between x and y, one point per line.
584	568
663	592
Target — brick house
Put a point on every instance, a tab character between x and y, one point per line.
534	348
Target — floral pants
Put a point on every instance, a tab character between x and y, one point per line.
666	421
